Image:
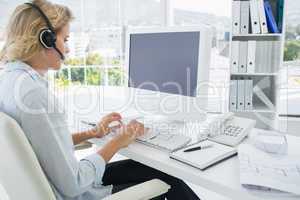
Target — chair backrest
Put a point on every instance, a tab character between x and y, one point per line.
20	172
3	193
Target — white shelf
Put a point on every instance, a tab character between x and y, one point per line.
257	110
259	35
268	70
254	74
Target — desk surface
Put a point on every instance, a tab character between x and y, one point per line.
222	178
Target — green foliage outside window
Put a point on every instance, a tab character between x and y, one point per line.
94	59
61	78
115	76
115	62
292	43
77	76
91	59
292	50
74	61
94	76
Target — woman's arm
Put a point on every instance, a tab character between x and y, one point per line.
127	134
83	136
65	172
49	137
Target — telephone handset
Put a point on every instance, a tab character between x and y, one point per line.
229	129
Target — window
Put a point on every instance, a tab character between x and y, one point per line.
290	86
141	13
216	14
96	40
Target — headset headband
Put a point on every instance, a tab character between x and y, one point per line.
43	15
50	30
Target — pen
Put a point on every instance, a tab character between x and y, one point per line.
121	121
94	124
198	148
88	123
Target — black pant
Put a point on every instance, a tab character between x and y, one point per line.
126	173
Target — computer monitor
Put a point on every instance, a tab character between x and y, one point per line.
168	69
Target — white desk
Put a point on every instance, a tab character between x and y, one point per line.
222	178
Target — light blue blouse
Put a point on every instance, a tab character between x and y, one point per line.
24	95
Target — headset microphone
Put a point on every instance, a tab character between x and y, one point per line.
47	36
62	57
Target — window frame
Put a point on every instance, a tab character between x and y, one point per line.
166	20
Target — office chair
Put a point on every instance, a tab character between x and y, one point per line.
21	176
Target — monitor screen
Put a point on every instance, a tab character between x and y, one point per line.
165	62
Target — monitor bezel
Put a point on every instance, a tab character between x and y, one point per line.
205	47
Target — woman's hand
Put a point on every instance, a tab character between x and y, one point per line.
103	128
128	133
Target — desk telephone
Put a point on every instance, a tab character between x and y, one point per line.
229	129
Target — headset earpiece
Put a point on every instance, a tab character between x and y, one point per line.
47	38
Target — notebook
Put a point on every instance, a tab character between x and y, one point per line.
204	158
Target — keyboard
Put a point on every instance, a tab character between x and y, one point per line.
167	134
164	141
164	134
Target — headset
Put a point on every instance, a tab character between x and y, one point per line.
47	36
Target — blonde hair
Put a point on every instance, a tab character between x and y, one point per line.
22	33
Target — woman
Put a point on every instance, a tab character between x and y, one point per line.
35	42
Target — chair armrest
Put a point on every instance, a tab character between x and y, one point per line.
143	191
3	193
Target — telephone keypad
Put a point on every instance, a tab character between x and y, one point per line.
233	131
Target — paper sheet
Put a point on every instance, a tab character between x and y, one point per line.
265	171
